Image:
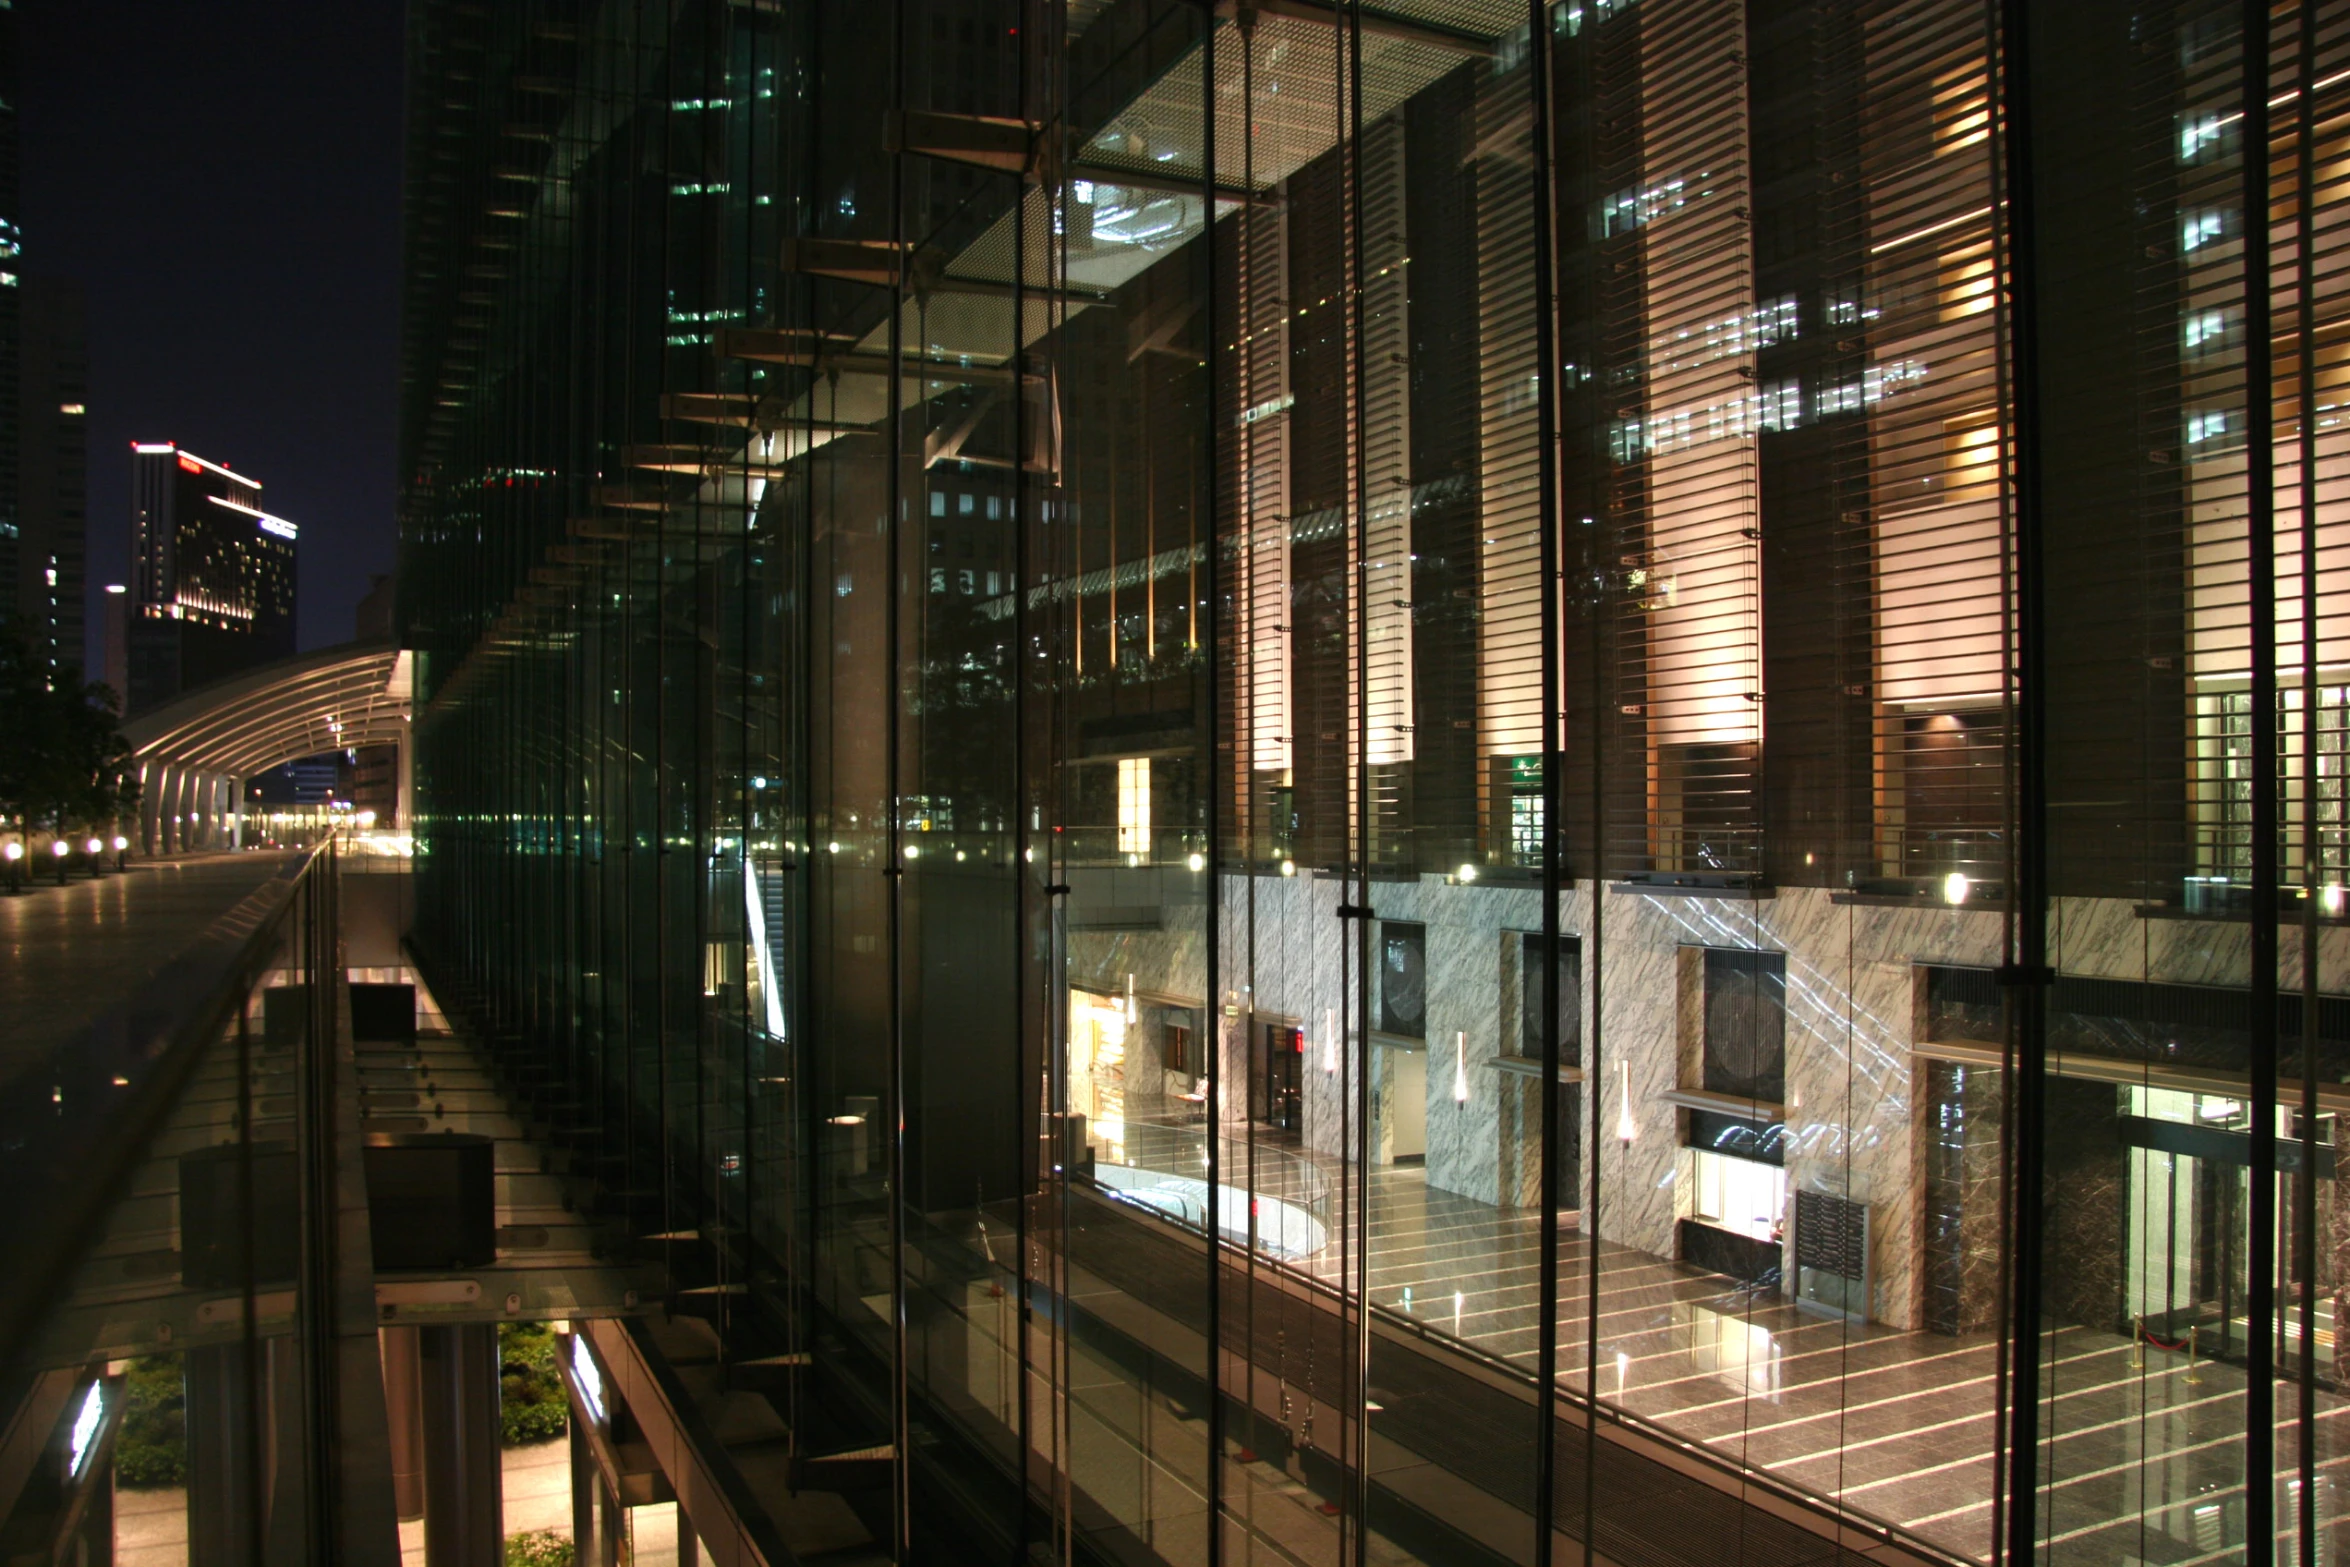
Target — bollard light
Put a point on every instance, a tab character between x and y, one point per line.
15	854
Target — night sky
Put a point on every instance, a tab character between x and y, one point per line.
223	180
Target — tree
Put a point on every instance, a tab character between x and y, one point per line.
64	763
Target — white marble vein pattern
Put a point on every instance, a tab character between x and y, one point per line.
2108	938
1852	1114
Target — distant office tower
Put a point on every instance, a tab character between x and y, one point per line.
114	656
12	551
52	472
373	621
212	575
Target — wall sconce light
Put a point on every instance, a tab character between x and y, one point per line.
1330	1040
1130	1012
1954	888
1626	1128
1460	1068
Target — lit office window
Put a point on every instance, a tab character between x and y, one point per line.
1134	805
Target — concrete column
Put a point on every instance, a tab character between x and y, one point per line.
159	803
464	1523
613	1530
219	1423
586	1489
94	1536
175	805
245	1492
404	1406
147	809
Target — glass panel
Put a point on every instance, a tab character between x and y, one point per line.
1101	678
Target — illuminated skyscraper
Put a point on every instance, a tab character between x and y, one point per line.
12	431
212	575
52	473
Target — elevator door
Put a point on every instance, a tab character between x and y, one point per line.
2189	1202
1284	1106
1406	1104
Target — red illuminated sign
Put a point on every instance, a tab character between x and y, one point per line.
190	465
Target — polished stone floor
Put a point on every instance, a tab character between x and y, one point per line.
2143	1456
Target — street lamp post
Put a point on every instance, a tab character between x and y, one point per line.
58	850
122	857
97	848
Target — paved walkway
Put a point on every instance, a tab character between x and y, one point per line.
535	1496
69	953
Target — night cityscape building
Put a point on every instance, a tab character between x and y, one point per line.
1418	782
212	576
52	472
1307	782
13	561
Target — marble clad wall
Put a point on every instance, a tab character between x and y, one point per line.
2105	938
1285	956
1851	1112
1465	994
1852	1094
1641	975
1853	1082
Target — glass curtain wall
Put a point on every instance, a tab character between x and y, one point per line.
1454	781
